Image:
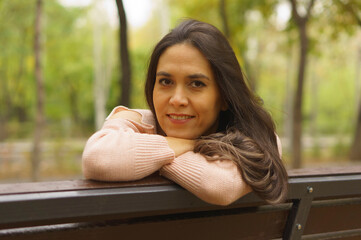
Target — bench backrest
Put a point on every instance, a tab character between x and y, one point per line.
322	203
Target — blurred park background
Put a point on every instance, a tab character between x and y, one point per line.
65	64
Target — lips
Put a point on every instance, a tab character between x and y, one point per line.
179	116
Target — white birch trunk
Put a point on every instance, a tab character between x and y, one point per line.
103	61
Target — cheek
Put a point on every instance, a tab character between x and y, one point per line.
158	101
155	98
210	109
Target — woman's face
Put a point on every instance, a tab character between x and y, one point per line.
186	97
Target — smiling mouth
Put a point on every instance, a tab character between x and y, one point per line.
179	117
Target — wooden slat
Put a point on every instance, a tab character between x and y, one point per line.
324	171
153	180
80	184
334	217
265	225
156	208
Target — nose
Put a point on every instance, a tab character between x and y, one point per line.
179	98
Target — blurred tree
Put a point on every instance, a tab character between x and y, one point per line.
126	75
224	18
40	119
103	62
353	7
68	69
16	56
355	152
301	23
344	15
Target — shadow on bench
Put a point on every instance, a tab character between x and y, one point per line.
322	204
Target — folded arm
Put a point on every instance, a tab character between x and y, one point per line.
123	151
217	182
126	149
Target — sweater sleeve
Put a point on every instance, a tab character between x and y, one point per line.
216	182
124	150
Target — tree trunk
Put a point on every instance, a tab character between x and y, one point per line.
223	14
358	79
20	109
297	109
103	63
301	23
5	102
314	104
355	151
125	79
288	106
250	74
39	121
73	99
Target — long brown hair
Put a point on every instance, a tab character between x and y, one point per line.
246	132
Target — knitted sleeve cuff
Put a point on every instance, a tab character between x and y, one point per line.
216	182
151	153
186	170
118	152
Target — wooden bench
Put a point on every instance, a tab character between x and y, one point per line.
322	204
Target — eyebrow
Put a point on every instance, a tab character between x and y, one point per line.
198	75
161	73
192	76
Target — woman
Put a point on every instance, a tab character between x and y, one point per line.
205	129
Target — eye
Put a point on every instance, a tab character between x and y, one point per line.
197	84
165	81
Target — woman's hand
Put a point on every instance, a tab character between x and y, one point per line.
129	115
180	145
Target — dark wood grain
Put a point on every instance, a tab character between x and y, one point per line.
156	208
324	171
79	184
152	180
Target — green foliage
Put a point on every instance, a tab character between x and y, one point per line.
67	62
269	56
139	68
267	53
16	59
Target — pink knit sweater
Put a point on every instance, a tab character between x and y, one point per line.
124	150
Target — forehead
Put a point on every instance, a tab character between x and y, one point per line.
183	55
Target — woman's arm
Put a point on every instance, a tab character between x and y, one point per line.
123	151
127	114
216	182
